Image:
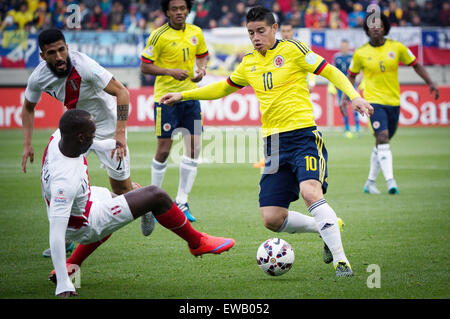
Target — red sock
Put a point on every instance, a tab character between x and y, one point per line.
83	251
175	220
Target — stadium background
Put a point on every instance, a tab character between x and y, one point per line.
114	33
406	235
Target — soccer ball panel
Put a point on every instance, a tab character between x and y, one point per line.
275	257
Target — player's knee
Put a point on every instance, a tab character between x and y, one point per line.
195	151
120	189
382	137
159	199
161	156
272	221
311	191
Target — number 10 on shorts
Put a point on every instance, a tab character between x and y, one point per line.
311	163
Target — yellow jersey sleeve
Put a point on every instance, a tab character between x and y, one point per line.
238	78
355	65
307	60
202	49
406	56
152	49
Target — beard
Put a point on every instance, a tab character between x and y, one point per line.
64	73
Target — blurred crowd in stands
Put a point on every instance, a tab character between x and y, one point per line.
143	16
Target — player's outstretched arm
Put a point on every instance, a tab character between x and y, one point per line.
27	125
338	78
362	106
150	68
58	226
343	101
117	89
420	70
211	91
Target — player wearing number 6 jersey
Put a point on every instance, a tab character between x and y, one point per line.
296	160
379	60
88	214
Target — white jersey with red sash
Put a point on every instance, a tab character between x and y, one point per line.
65	185
82	88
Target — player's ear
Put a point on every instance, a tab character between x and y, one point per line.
275	27
80	137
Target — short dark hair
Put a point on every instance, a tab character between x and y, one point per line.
165	5
49	36
384	20
287	23
74	121
260	14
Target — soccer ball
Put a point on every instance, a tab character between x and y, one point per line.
275	257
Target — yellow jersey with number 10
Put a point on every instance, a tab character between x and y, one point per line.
174	49
380	70
279	81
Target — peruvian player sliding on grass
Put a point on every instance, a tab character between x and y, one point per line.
86	214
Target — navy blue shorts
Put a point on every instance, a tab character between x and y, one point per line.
186	115
385	117
297	156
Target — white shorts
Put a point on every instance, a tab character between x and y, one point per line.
107	215
118	170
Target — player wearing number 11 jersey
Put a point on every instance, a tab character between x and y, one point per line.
296	160
171	54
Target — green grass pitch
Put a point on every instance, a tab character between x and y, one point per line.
406	236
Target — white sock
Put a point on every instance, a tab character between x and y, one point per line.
158	172
385	160
374	166
188	172
298	223
328	227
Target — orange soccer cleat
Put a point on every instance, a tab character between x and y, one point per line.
212	245
260	164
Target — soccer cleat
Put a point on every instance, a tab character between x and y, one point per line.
185	209
392	187
69	248
71	270
212	245
261	163
327	255
147	224
343	269
370	188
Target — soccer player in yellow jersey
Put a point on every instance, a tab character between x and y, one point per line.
379	60
171	53
296	161
287	33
